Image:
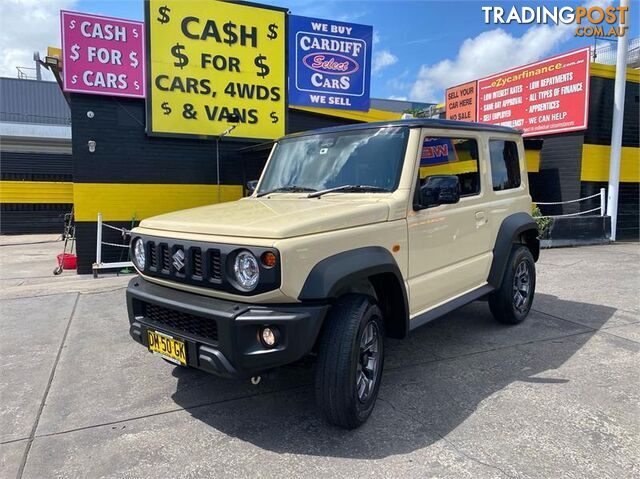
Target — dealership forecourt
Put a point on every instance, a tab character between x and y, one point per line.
464	397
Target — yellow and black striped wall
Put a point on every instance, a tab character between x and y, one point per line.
36	189
594	168
574	165
131	176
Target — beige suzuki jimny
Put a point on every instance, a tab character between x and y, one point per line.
352	234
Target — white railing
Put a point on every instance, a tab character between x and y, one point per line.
98	265
602	208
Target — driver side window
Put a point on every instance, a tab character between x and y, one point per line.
443	159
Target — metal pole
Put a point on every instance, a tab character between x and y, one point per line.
36	58
218	166
618	115
603	202
218	138
99	240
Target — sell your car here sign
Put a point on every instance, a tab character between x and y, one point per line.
329	63
102	55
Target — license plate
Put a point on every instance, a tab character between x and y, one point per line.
165	345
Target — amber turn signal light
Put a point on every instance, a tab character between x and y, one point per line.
268	259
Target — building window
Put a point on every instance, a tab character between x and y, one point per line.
451	156
505	164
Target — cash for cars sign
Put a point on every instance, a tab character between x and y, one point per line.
210	61
102	55
549	96
331	63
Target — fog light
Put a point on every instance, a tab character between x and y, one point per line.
269	336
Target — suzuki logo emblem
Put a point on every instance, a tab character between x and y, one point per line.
178	260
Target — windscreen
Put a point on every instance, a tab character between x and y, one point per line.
371	157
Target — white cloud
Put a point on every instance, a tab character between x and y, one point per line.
399	98
490	52
27	26
349	17
376	37
400	82
383	59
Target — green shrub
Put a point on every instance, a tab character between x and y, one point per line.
544	222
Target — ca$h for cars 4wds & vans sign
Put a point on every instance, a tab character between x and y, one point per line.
212	61
102	55
329	63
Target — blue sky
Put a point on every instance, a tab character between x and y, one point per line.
421	46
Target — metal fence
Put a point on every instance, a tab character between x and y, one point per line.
605	51
601	210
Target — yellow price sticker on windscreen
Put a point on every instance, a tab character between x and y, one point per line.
214	63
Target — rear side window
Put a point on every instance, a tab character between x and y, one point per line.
451	156
505	164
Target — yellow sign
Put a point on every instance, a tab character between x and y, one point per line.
55	52
211	61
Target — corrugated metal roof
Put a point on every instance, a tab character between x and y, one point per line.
399	106
32	101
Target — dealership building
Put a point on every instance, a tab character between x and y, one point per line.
36	188
98	153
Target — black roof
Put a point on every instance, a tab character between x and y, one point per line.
412	123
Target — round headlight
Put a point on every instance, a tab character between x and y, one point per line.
138	253
246	270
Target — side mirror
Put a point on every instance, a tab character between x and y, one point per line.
251	186
440	190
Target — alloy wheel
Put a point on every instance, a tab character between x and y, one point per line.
368	361
522	286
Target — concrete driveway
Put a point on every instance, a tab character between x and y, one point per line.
557	396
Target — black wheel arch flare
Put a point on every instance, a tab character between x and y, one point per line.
516	228
334	274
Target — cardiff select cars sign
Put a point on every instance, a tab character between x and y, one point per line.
329	63
211	61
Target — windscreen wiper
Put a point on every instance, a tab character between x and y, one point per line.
286	189
350	189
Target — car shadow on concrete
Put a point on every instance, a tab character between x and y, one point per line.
432	382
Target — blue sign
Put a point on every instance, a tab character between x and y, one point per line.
437	151
329	63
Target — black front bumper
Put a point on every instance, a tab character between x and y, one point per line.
222	337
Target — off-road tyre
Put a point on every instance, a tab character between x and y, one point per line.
340	375
511	303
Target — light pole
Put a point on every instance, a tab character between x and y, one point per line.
616	129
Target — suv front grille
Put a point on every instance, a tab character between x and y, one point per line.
200	265
216	267
197	261
179	322
165	257
203	264
153	256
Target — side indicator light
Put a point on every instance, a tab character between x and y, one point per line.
268	259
